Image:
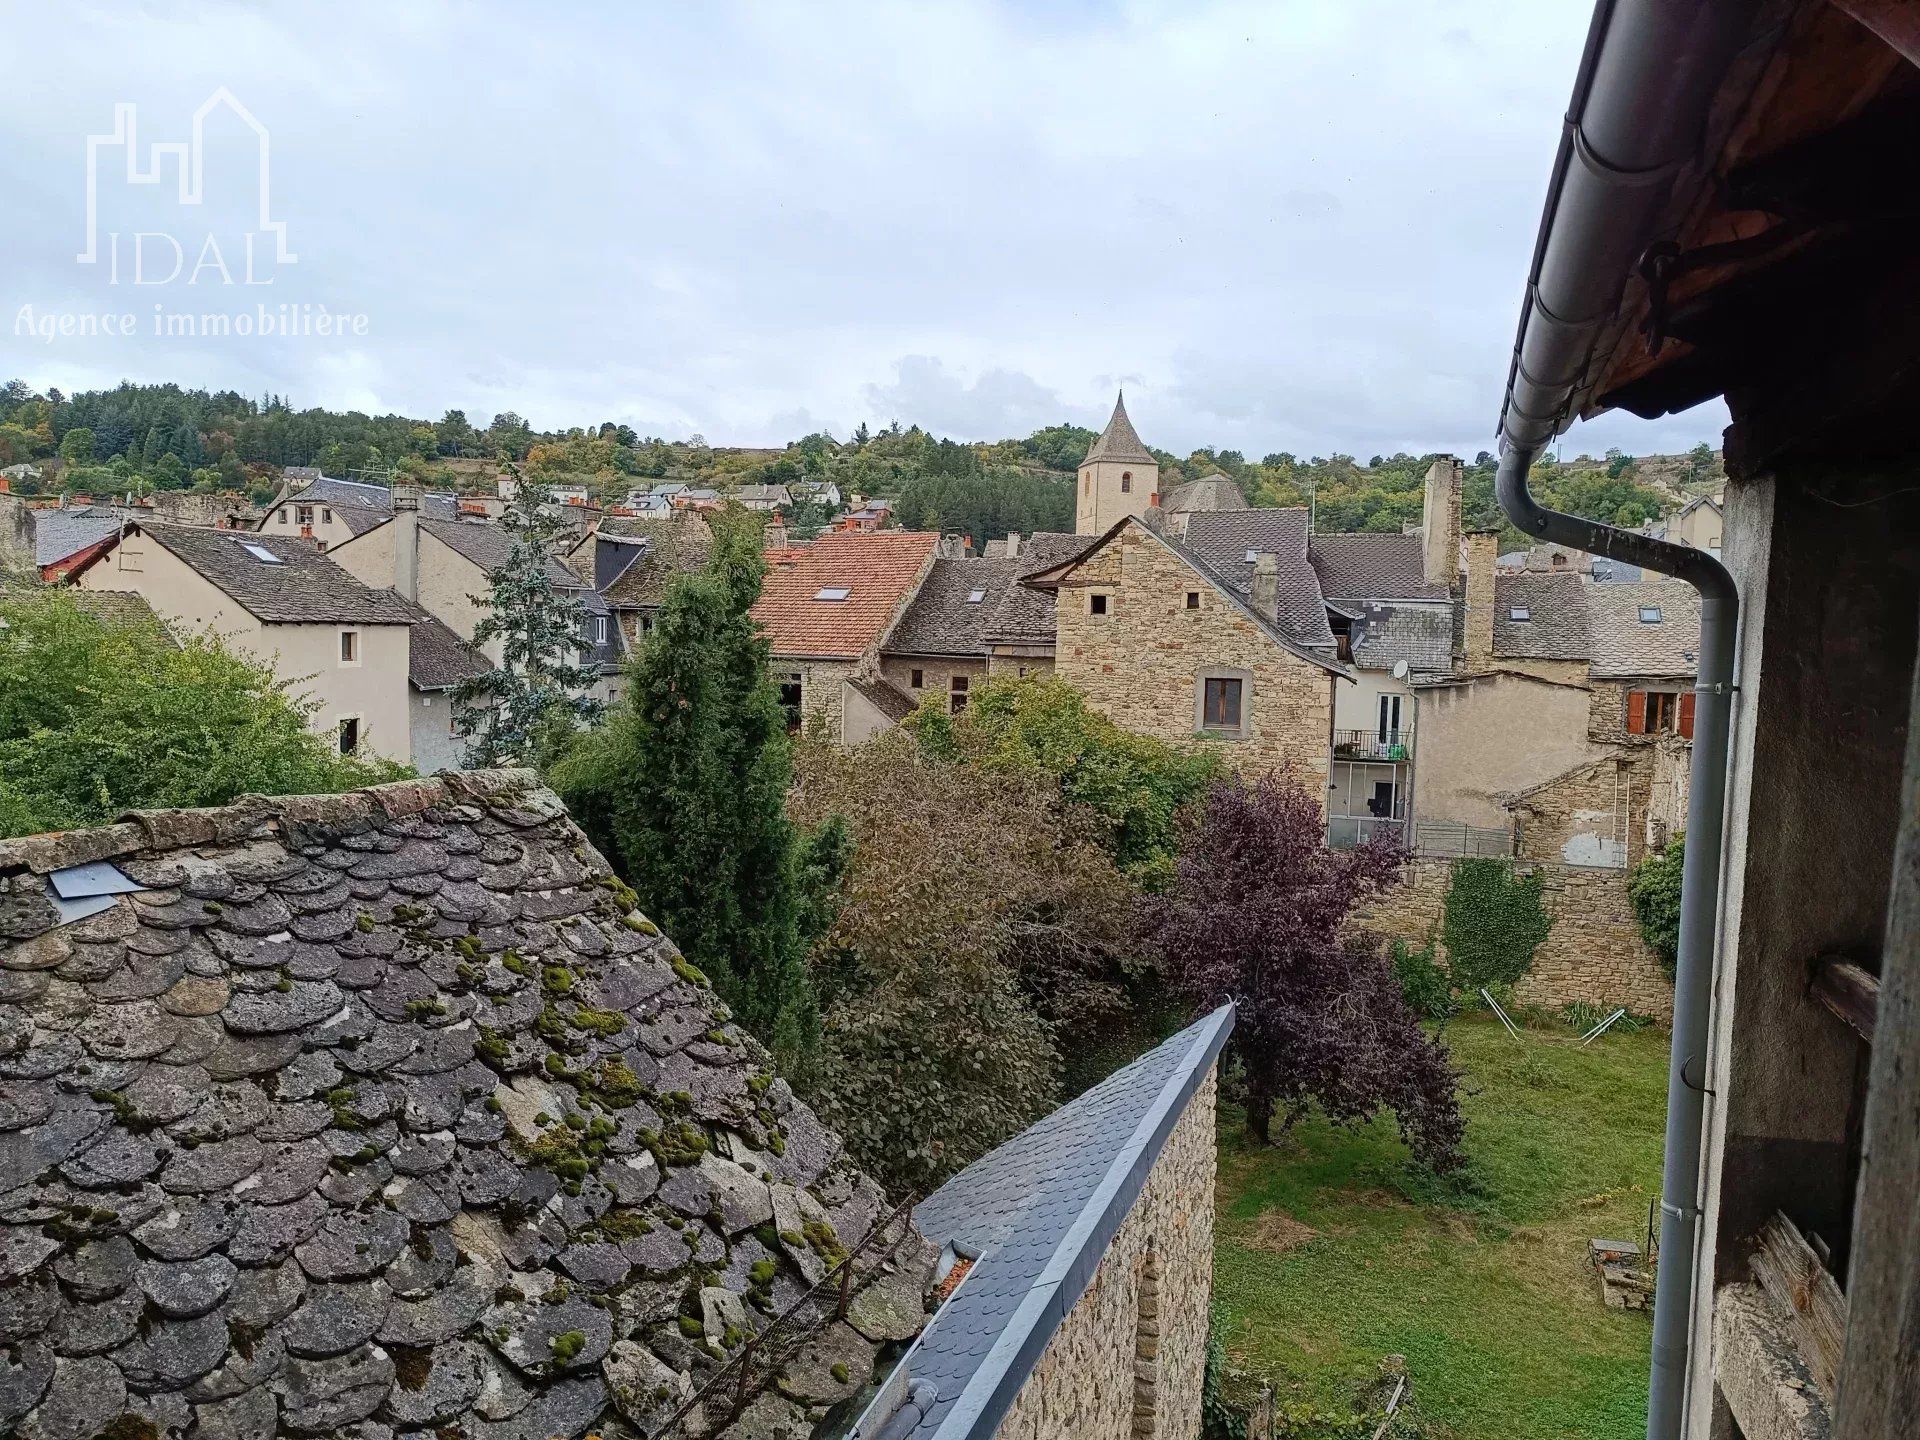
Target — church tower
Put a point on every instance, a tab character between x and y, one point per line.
1119	476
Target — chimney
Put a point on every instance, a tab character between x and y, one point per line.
1013	545
406	542
1483	548
1440	521
1265	593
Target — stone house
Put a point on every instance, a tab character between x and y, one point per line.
388	1112
827	609
438	663
630	561
278	600
331	512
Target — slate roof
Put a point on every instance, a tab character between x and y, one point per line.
1024	615
273	1161
361	507
305	588
489	547
942	620
119	607
1625	647
1557	607
886	697
879	569
1422	636
1209	492
1220	540
437	658
1039	1213
58	534
674	547
1119	441
1372	567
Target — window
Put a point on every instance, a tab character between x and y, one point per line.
1519	612
791	694
974	597
599	629
303	514
1252	555
919	679
1660	712
1389	727
1126	482
833	592
1193	599
349	734
957	694
349	647
1649	614
260	553
1096	604
321	546
1223	704
282	515
326	516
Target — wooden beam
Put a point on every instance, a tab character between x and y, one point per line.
1806	1297
1895	21
1849	992
1759	1372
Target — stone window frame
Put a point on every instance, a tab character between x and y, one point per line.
1223	672
917	679
1146	1343
1126	482
1103	610
1193	599
352	649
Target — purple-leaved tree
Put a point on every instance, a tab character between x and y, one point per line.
1256	913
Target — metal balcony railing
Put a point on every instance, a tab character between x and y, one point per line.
1377	744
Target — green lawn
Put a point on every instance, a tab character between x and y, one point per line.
1482	1285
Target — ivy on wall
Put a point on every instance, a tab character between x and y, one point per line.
1654	888
1493	923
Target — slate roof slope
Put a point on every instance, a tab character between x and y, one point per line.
1209	492
490	547
120	607
1220	540
58	534
942	618
878	569
303	588
437	658
674	547
385	1112
1119	441
1372	567
1556	605
1024	615
1039	1213
361	507
1624	646
1384	635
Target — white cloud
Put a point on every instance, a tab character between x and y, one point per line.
1298	227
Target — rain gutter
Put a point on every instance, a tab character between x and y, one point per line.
1640	102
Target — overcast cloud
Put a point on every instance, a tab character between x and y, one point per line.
1298	226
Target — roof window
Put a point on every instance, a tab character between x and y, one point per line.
833	592
1520	612
974	597
1649	614
1252	555
261	553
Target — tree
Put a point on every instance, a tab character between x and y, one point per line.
537	693
98	717
76	446
684	789
1256	914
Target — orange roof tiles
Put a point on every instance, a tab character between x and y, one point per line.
878	571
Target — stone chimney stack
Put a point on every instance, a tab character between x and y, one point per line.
406	542
1265	595
1483	548
1440	521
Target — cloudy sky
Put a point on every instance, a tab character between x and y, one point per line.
1298	226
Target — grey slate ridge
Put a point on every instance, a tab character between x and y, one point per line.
305	588
1372	567
1220	540
58	534
940	621
1039	1213
271	1133
362	507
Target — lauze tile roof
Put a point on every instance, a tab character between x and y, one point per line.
944	618
1220	540
877	570
300	586
1373	567
386	1112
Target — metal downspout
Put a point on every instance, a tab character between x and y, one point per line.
1681	1175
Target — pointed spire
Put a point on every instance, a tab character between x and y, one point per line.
1119	441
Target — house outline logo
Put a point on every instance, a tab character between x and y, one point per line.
188	161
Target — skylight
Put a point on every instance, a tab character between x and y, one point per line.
974	597
1649	614
833	592
1252	555
261	553
1520	612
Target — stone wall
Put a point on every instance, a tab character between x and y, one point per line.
1593	952
1140	663
936	676
1594	815
1130	1356
820	682
1668	790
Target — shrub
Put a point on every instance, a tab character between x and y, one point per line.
1654	889
1424	981
1494	922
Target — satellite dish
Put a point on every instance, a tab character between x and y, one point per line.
1399	669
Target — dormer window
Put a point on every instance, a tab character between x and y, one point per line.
1649	614
833	592
1520	612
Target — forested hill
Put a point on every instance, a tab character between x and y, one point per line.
146	437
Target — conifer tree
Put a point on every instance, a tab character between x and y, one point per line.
538	692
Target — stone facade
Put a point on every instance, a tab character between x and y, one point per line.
1141	663
1592	953
1593	816
1668	790
820	685
936	674
1129	1359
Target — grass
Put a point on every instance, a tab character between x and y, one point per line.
1480	1281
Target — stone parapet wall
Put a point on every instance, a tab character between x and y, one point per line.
1592	953
1128	1361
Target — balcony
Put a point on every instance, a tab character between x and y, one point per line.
1377	744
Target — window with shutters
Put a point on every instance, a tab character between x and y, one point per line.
1660	712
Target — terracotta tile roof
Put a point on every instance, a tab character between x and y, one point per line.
1372	567
878	571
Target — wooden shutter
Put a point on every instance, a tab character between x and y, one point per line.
1636	712
1686	715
